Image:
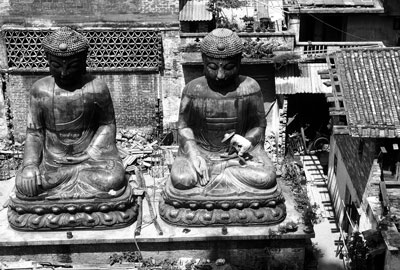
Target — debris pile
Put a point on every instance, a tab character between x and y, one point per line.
137	148
140	149
10	158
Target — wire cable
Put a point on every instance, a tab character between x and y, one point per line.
338	29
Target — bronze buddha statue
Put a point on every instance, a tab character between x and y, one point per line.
208	185
71	175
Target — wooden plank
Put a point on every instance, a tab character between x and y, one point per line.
334	111
323	71
391	238
333	99
384	194
390	184
343	130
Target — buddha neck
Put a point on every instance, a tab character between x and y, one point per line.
223	87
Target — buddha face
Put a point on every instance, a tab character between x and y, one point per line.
221	73
67	71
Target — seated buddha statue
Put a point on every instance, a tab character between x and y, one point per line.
222	110
71	174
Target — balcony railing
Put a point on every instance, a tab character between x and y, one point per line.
316	50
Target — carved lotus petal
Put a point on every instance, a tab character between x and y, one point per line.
225	216
189	216
207	216
174	213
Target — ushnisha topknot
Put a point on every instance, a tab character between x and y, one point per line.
65	42
221	43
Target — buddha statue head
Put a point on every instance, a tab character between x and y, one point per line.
221	51
66	52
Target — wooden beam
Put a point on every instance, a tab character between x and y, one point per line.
342	130
334	111
384	194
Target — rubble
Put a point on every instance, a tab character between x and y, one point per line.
10	158
140	149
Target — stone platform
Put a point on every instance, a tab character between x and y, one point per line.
244	247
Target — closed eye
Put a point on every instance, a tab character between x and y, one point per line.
212	66
229	66
55	64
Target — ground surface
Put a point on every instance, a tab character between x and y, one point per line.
326	232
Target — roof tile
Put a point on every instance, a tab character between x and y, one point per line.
370	81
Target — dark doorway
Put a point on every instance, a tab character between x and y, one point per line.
310	111
322	27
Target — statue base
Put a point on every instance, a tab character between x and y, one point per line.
231	206
243	247
219	217
96	213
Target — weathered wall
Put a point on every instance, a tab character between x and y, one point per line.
392	7
134	98
275	254
172	81
134	94
86	10
352	170
372	28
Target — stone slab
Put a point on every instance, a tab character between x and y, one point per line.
91	246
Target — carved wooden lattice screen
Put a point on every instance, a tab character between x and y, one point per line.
110	49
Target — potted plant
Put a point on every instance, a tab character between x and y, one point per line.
249	22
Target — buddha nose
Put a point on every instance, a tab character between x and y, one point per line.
220	74
64	72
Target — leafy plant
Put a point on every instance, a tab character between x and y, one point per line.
283	59
216	6
290	170
248	18
357	251
259	49
128	256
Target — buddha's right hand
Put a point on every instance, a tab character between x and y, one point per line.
28	181
200	166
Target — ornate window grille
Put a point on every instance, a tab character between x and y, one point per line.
110	49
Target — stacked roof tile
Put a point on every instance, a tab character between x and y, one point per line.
369	80
330	3
333	6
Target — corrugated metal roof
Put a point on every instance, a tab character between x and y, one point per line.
195	10
301	78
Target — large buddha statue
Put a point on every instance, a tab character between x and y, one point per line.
222	175
71	175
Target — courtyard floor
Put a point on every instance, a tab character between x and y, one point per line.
326	231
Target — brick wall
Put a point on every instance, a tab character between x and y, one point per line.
86	7
134	98
135	94
159	6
